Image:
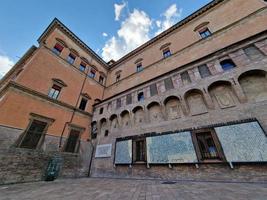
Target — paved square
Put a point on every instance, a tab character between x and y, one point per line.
124	189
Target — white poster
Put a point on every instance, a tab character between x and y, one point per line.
103	151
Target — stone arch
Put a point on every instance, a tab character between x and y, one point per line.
139	115
103	126
125	119
254	85
222	94
154	112
195	102
113	122
173	107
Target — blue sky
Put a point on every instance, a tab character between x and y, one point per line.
111	28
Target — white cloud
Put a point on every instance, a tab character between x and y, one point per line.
104	34
5	64
136	29
118	8
171	16
133	32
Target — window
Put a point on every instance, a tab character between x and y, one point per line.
139	67
92	73
185	78
204	71
72	142
139	147
253	52
58	49
118	103
33	134
168	84
83	103
71	58
106	133
101	111
101	79
140	96
166	53
82	66
205	33
94	130
128	99
153	90
207	145
54	91
227	64
118	76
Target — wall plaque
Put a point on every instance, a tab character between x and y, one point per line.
123	154
171	148
103	151
244	142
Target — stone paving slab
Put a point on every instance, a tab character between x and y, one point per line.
125	189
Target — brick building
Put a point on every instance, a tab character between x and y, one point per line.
188	104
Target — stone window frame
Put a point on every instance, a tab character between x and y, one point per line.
41	118
216	142
59	83
77	146
86	97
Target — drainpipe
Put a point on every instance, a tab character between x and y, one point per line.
74	110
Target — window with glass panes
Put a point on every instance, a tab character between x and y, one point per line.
205	33
57	49
54	91
71	58
82	66
73	141
166	53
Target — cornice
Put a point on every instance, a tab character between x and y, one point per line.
22	88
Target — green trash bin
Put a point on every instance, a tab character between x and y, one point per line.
53	168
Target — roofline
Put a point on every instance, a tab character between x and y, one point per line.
28	53
57	22
169	30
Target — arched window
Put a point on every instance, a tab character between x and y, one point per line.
227	64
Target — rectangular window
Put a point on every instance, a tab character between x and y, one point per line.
185	78
118	103
72	142
118	76
83	103
140	96
207	145
205	33
168	84
101	80
82	66
71	58
139	147
204	71
166	53
92	74
253	52
54	91
128	99
33	135
153	90
101	111
139	67
57	49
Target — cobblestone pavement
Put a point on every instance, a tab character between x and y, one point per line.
124	189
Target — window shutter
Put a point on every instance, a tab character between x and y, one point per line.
153	90
168	84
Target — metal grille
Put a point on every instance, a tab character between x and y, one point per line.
72	141
33	135
207	146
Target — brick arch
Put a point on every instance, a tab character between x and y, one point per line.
173	107
254	84
222	94
125	118
195	102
